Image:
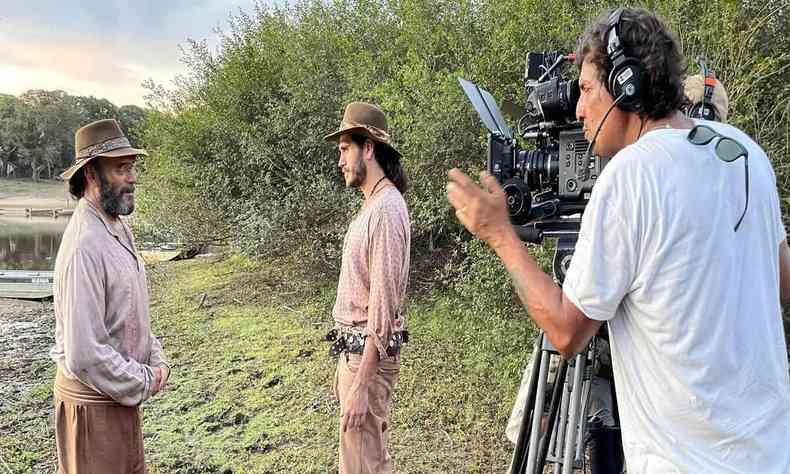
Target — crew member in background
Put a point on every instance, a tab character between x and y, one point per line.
707	96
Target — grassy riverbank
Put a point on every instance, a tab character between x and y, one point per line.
23	193
251	384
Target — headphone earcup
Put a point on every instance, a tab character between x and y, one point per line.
626	79
706	112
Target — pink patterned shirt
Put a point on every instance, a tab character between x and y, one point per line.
371	291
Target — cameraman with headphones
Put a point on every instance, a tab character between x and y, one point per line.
682	250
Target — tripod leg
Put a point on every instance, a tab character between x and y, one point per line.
573	416
537	414
586	385
559	449
556	394
518	462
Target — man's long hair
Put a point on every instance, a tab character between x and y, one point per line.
78	182
388	160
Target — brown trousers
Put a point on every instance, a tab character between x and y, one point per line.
365	451
95	435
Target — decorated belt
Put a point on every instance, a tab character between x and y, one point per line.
352	341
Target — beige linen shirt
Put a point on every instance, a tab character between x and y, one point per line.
371	290
103	331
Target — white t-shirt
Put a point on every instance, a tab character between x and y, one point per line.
693	307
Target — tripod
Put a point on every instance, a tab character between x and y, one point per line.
554	429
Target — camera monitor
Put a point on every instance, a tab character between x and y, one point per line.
485	105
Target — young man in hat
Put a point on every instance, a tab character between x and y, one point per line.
370	324
682	250
108	361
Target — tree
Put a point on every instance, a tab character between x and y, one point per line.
37	129
243	127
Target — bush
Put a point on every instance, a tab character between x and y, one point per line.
236	149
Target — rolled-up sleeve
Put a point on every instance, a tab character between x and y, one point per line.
87	351
387	257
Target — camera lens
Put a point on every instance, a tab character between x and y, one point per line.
539	167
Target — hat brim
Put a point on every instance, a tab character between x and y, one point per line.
334	137
117	153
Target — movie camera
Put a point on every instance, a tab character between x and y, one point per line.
548	183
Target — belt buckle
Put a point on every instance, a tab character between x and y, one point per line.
355	344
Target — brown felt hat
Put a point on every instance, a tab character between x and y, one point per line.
365	119
100	138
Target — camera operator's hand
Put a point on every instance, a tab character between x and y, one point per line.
483	211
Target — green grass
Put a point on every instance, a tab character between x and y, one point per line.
31	443
250	389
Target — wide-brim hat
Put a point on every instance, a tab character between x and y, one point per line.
99	138
694	87
365	119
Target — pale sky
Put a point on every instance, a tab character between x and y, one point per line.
103	48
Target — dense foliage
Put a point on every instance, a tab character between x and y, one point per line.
37	130
237	150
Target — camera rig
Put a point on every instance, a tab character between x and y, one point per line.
548	184
547	188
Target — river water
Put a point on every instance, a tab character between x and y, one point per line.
30	243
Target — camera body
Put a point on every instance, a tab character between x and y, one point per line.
547	183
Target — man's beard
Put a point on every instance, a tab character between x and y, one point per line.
358	175
118	202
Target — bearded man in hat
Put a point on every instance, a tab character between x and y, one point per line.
108	360
370	325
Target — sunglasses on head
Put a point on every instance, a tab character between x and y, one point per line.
727	149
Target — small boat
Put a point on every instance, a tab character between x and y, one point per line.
26	284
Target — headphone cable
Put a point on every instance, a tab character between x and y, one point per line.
584	173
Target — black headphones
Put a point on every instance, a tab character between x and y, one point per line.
705	110
627	74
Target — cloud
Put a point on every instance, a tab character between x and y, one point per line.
107	46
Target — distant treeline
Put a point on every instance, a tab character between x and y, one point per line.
236	149
37	129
